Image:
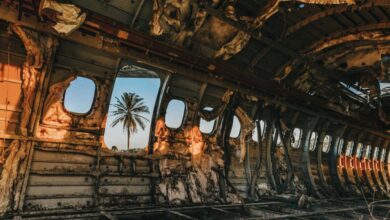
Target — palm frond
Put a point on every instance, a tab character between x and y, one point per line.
140	122
137	115
127	110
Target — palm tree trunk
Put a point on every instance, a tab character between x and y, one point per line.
128	139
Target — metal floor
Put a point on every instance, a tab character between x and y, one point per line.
275	208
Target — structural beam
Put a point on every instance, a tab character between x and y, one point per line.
256	34
179	215
332	11
343	33
314	213
256	59
140	5
128	44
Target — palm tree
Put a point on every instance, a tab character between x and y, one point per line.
128	111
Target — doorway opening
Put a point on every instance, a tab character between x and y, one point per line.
135	88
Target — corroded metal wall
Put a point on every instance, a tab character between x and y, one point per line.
62	177
55	161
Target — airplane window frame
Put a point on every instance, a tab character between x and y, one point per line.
254	132
296	144
214	121
182	118
349	148
327	148
239	132
383	155
340	146
313	145
93	98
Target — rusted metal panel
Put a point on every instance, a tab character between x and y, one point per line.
76	203
40	192
124	190
77	176
127	167
60	167
86	55
107	169
117	180
121	200
78	65
10	96
10	127
62	157
11	114
271	87
39	180
139	169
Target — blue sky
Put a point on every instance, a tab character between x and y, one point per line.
383	85
147	88
83	89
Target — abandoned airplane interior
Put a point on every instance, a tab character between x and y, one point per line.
195	109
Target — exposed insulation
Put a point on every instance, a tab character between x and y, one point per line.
39	55
56	119
170	18
72	171
184	179
54	112
183	22
161	146
66	17
95	118
10	178
234	46
247	126
217	111
39	50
